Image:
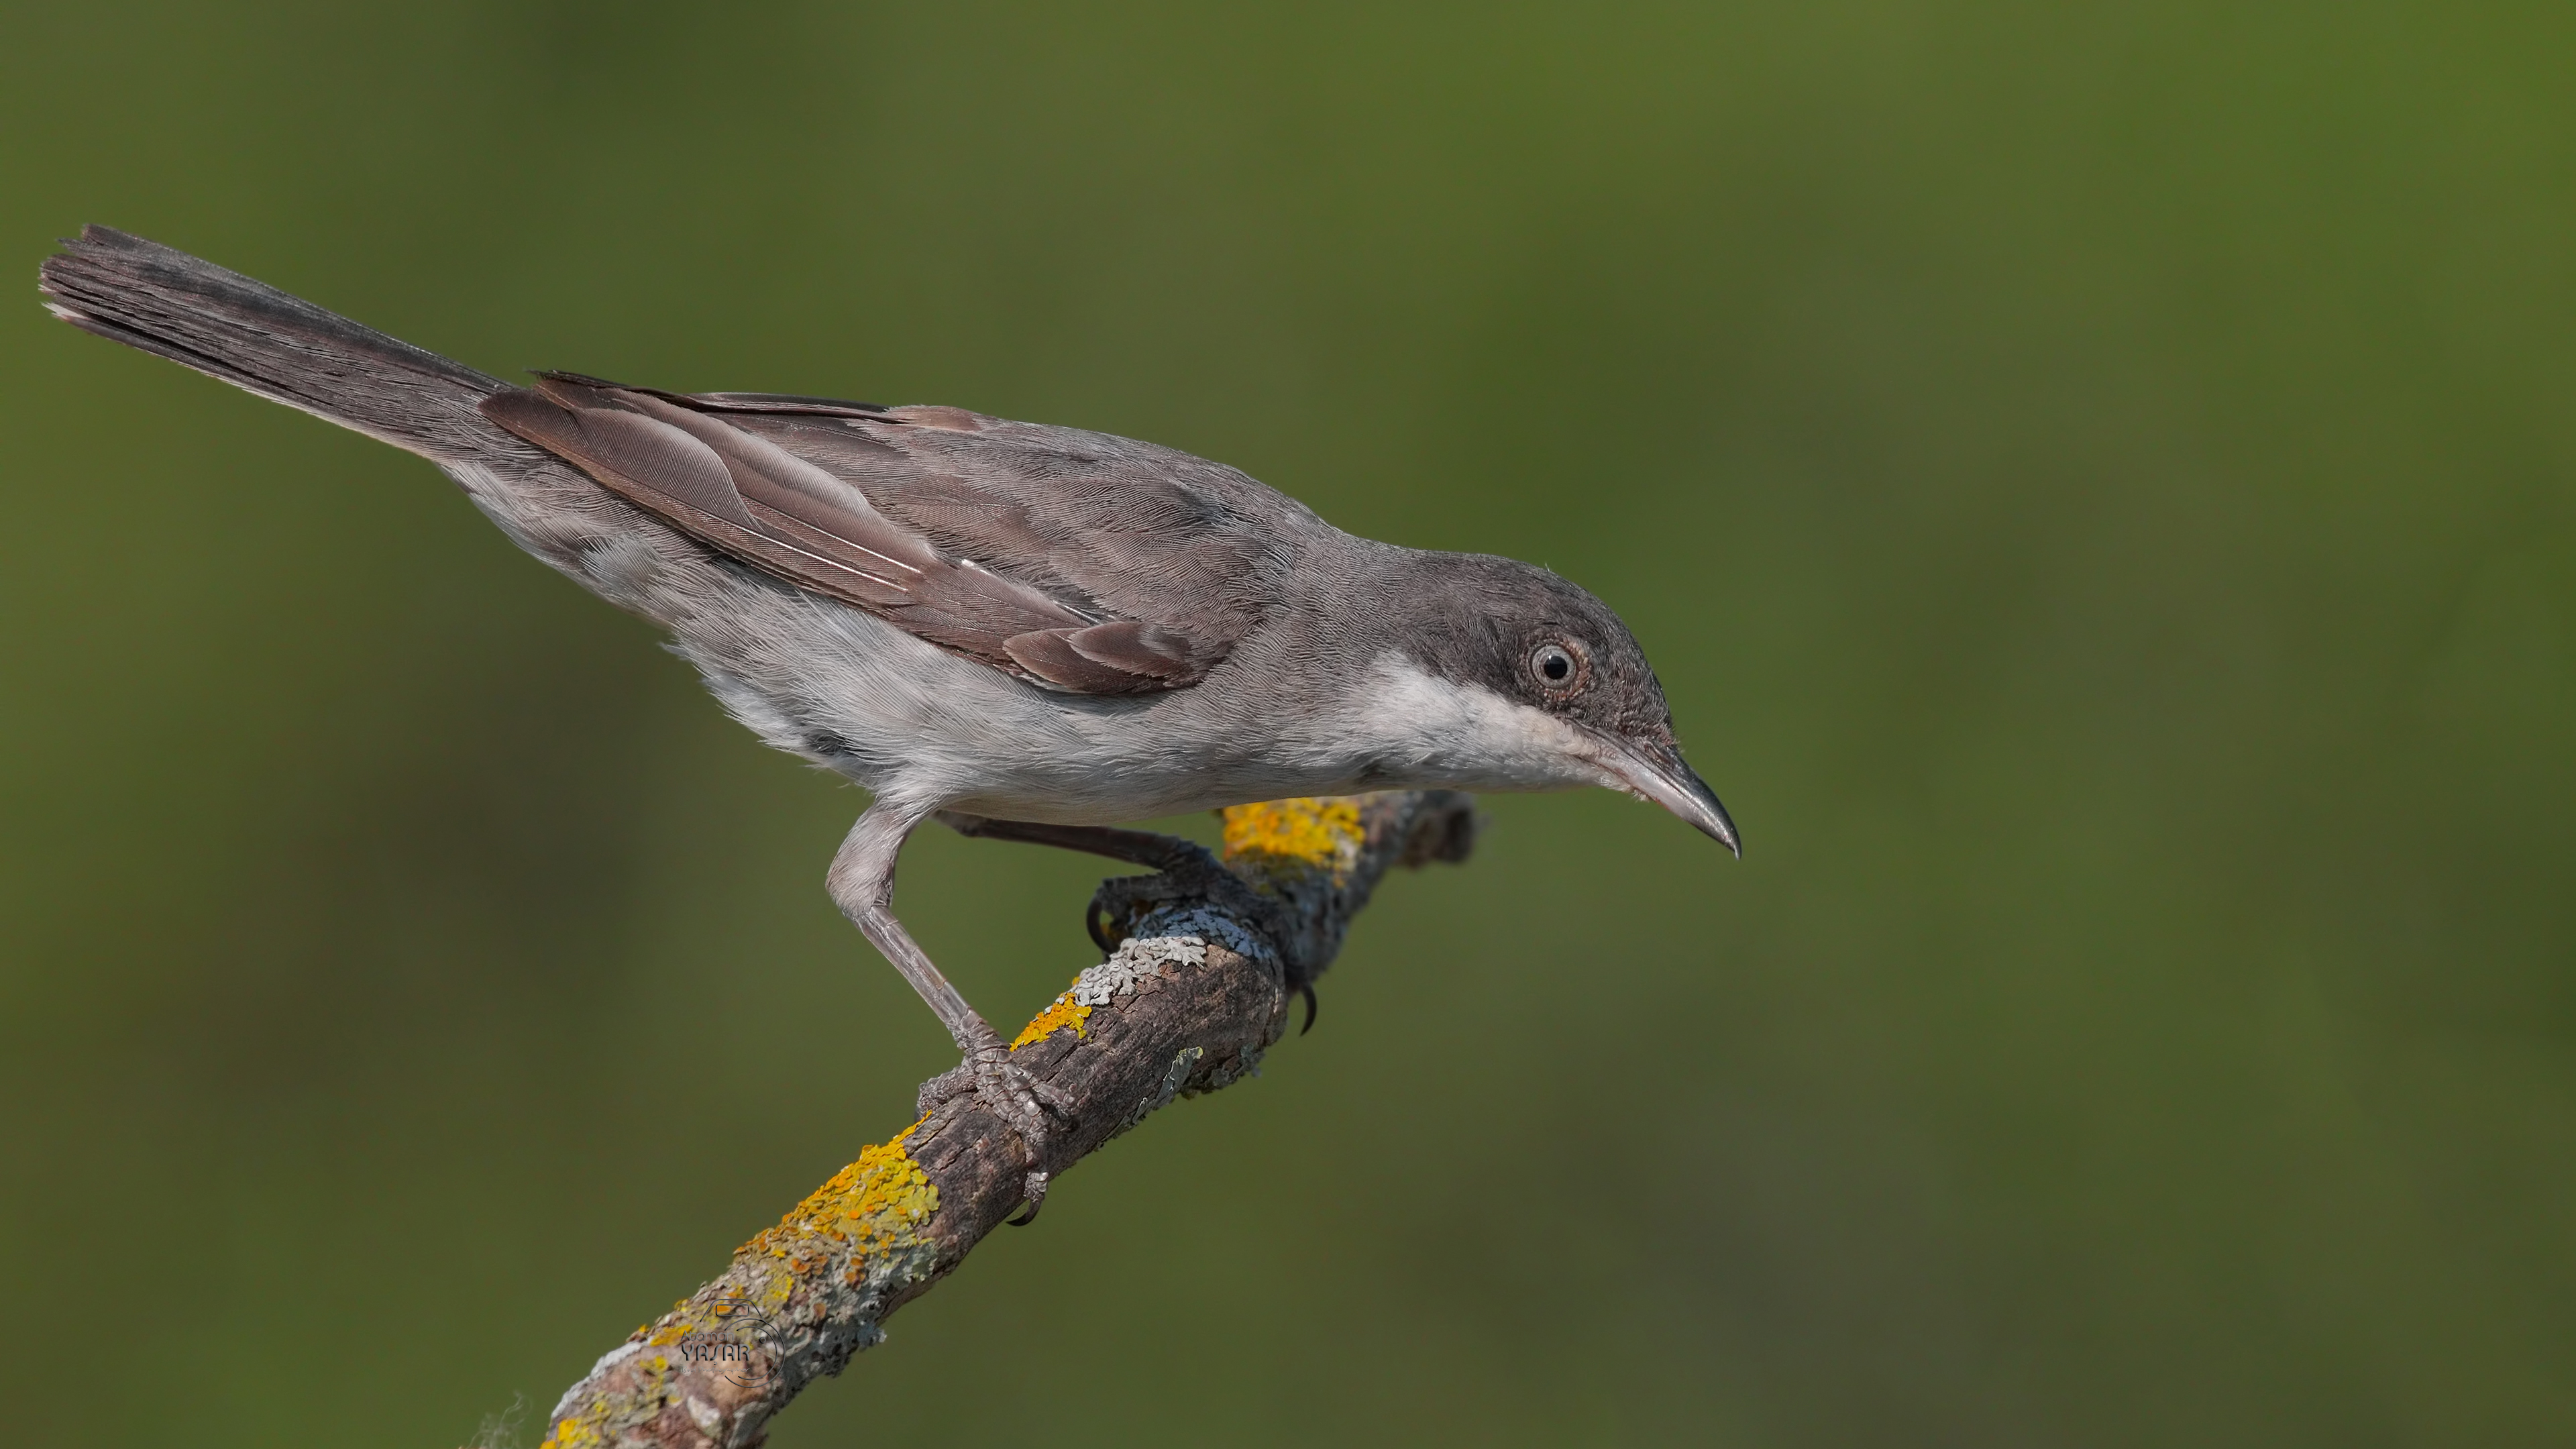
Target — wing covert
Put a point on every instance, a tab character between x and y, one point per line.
1077	561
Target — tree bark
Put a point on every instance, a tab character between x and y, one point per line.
1198	988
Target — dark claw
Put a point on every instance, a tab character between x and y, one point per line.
1036	1190
1309	991
1096	921
1020	1100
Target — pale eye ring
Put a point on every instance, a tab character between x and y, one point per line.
1555	667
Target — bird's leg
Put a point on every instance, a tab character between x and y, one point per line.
1187	862
1136	847
862	884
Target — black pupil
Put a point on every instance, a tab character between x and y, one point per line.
1554	664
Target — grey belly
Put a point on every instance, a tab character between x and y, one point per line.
918	725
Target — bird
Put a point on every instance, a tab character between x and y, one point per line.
1019	630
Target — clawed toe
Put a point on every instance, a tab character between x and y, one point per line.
1033	1188
948	1086
1122	901
1023	1102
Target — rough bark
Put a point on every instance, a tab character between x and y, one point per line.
1194	994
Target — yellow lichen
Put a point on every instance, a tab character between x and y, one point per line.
867	1227
875	1203
1307	831
869	1223
1063	1013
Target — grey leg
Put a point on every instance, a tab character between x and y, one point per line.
1136	847
862	884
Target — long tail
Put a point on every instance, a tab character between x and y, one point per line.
258	338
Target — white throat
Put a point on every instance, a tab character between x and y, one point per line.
1427	731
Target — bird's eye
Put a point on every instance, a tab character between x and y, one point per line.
1555	666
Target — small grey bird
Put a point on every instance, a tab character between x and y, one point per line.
1024	631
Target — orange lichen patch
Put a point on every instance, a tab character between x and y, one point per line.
874	1205
603	1419
1063	1013
1316	833
865	1227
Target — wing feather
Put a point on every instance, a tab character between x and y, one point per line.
1075	560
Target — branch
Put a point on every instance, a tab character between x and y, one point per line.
1195	993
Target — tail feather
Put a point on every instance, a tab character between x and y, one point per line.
166	302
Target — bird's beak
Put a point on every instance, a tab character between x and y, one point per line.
1656	771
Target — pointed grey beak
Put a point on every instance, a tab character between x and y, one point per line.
1658	772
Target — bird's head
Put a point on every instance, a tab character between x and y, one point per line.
1515	678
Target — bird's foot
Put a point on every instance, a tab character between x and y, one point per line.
1121	901
1011	1092
1184	870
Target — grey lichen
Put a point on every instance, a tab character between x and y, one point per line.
1166	938
1136	960
1173	1076
1226	1073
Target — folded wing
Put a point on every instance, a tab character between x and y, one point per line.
1077	561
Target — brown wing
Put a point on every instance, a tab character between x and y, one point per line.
1074	560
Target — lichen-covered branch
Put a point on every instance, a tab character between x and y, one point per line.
1198	988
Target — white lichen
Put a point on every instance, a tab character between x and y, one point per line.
1177	938
1135	959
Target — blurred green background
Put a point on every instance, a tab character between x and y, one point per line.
2095	481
